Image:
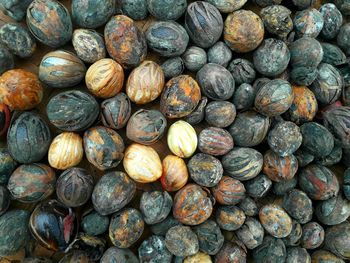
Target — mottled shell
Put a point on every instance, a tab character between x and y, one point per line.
14	9
308	23
32	183
28	138
181	241
105	78
173	67
135	9
7	165
244	31
228	191
112	192
219	54
242	163
175	174
231	251
72	110
198	257
205	169
66	150
333	20
298	205
271	250
216	82
74	187
182	139
251	233
277	20
259	186
17	39
197	115
343	38
155	206
279	168
333	211
194	58
294	237
215	141
337	240
275	220
145	83
146	126
167	38
6	59
274	98
162	227
20	89
249	128
297	254
154	249
305	52
304	106
116	111
50	22
125	42
180	97
220	114
318	182
118	255
303	76
61	69
313	235
14	230
94	224
229	218
92	13
103	147
209	236
167	10
227	6
333	55
242	71
89	45
283	187
142	163
324	255
249	206
126	227
192	205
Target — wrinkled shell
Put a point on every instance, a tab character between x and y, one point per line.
220	114
175	174
305	52
153	249
324	255
272	250
94	224
242	71
197	115
230	218
279	168
215	141
259	186
229	191
173	67
277	20
249	206
333	211
199	257
14	9
297	254
167	10
308	23
194	58
337	240
181	241
209	236
231	251
155	206
227	6
313	235
333	55
6	59
219	54
5	199
298	205
251	233
116	111
275	220
66	150
333	20
7	165
294	237
119	255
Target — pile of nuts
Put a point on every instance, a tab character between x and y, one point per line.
175	131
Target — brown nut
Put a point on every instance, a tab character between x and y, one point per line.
175	174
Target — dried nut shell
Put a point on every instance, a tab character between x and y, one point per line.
20	89
105	78
279	168
145	83
114	254
181	241
230	218
175	174
153	249
209	236
215	141
66	150
142	163
155	206
228	191
199	257
220	114
182	139
275	220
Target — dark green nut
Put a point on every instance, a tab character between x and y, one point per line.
209	236
28	138
92	13
297	254
313	235
272	57
194	58
116	111
318	182
216	82
303	4
220	114
32	183
308	23
72	110
343	39
16	9
155	206
333	55
274	98
333	211
167	10
18	40
219	54
50	22
162	227
135	9
173	67
277	20
333	20
181	241
242	163
259	186
197	115
272	250
7	165
94	224
5	199
317	140
333	158
203	23
249	128
249	206
298	205
6	59
242	71
294	237
328	84
14	231
167	38
284	138
337	240
303	76
230	218
344	6
304	157
281	188
251	233
119	255
244	96
305	52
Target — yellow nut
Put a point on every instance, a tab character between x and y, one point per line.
142	163
145	83
182	139
66	150
200	257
